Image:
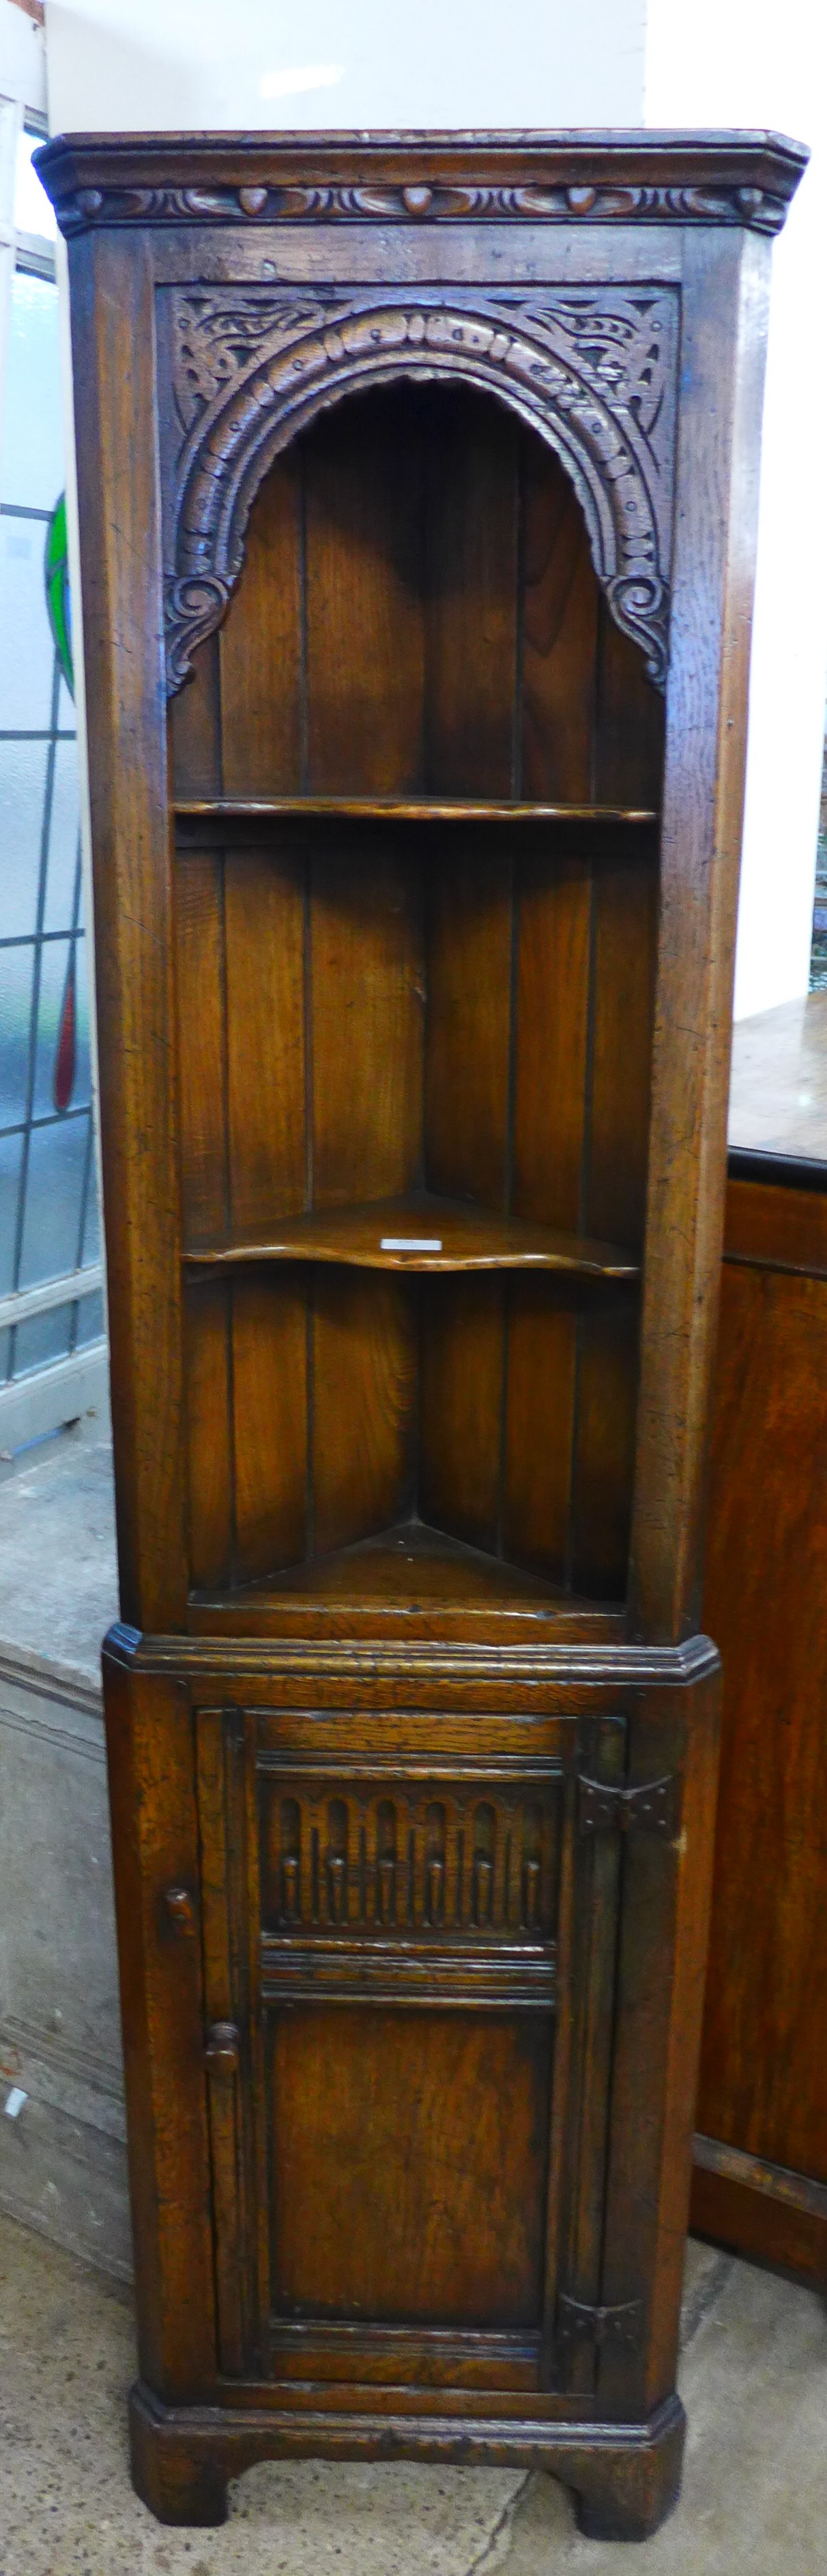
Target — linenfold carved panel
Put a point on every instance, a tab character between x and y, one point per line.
592	369
444	1857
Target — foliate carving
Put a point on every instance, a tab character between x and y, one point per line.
420	202
592	369
214	339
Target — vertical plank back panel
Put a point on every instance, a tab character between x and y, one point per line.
468	1031
471	598
367	985
628	764
269	1347
537	1466
209	1430
364	609
625	947
461	1407
199	980
559	617
364	1386
604	1445
195	727
262	646
551	1039
265	906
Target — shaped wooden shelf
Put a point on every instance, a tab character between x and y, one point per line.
422	1233
410	1565
406	809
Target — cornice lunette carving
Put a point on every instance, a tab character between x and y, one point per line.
419	202
593	369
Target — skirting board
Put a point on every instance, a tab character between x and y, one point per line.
759	2209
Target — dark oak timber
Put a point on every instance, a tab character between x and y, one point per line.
425	1234
760	2178
417	481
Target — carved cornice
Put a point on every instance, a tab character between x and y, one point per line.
420	203
592	369
744	179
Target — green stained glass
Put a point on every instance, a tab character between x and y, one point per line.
58	600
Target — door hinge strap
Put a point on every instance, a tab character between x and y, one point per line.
650	1809
579	2323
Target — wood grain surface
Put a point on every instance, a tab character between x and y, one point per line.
415	904
762	2090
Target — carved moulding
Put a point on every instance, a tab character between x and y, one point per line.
592	370
761	208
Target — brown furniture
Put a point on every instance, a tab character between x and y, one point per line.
760	2180
414	939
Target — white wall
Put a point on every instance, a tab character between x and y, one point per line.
753	62
22	88
22	58
448	62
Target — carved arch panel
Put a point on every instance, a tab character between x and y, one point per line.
592	370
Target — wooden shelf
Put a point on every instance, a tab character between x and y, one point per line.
408	1565
422	1234
410	809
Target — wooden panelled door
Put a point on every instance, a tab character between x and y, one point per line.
407	1986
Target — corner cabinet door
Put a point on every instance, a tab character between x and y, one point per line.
409	1977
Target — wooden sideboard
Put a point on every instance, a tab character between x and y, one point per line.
760	2179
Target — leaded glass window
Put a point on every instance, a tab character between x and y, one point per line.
50	1293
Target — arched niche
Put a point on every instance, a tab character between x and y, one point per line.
418	613
592	372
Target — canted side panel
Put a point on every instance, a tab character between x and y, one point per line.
231	2034
155	1840
665	1897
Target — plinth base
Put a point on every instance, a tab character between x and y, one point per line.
625	2476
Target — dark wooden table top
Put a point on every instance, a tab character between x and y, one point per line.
778	1090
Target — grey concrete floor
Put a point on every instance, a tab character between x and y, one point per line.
58	1574
754	2380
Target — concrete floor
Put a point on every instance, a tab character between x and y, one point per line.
754	2380
58	1574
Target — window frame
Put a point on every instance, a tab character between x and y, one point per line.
60	1389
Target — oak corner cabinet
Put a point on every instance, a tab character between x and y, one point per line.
418	492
